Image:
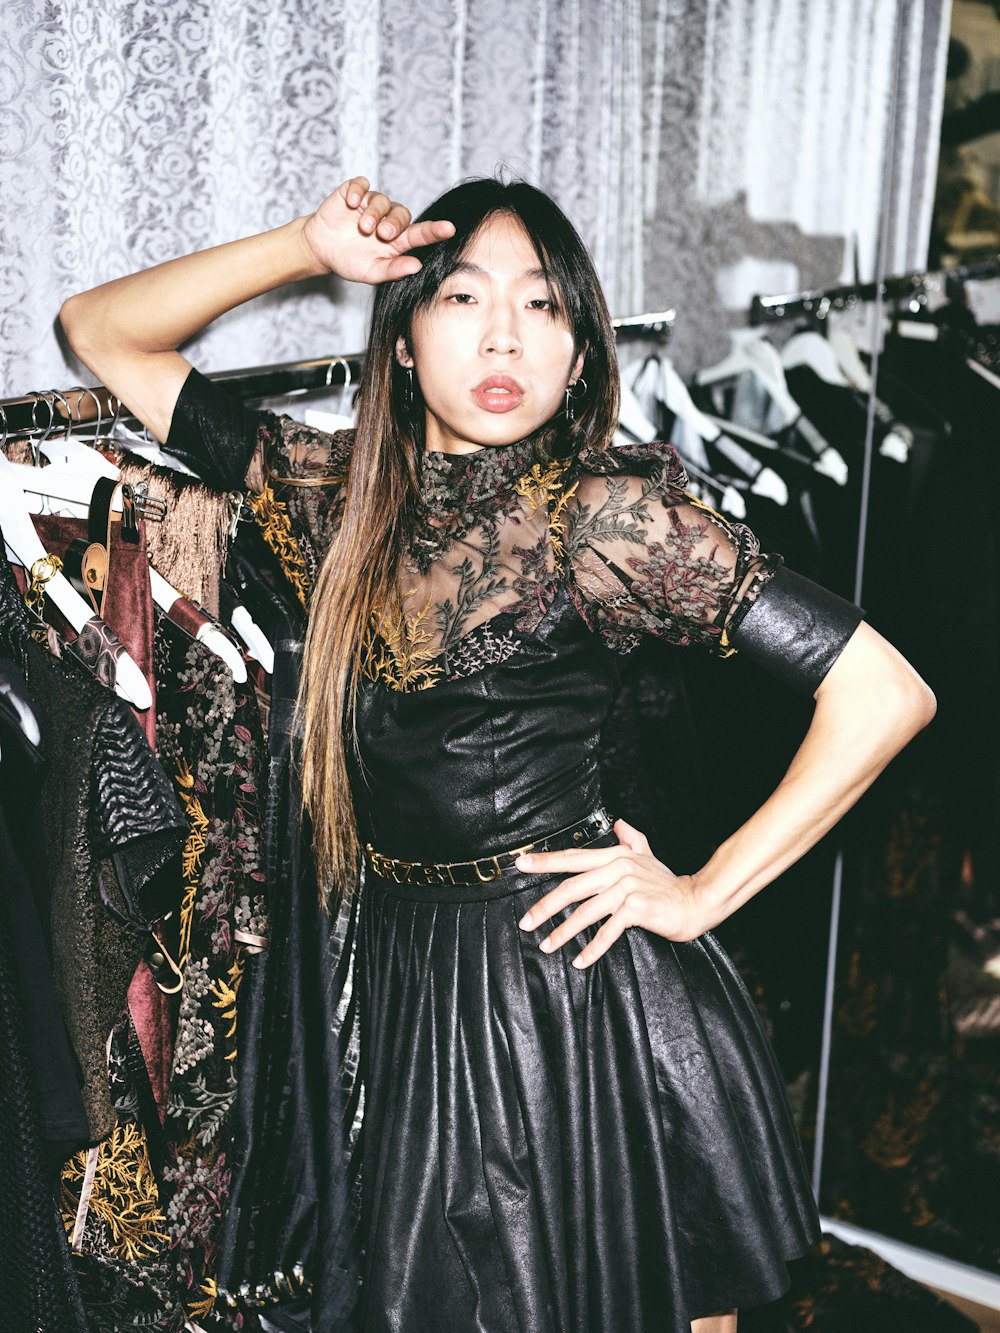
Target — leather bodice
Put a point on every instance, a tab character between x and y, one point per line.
487	761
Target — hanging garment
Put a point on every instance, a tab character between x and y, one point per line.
291	1231
113	827
174	1185
914	1101
27	901
41	1114
39	1289
499	1080
126	605
189	546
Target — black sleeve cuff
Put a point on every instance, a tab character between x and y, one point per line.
213	433
796	629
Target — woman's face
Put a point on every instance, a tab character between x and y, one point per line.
491	360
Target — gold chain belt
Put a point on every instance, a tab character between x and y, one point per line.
484	869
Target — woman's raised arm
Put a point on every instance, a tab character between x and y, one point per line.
127	331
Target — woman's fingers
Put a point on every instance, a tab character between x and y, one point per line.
376	206
599	905
362	235
615	926
571	860
399	266
393	223
425	233
355	190
589	880
630	837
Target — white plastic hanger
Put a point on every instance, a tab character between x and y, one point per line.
341	415
849	359
813	350
69	481
633	418
148	449
165	595
257	642
750	352
701	429
24	546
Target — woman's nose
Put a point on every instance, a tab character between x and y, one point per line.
501	334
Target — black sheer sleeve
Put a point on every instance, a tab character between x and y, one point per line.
299	483
649	558
213	433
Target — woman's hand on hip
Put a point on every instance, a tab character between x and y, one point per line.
626	884
364	236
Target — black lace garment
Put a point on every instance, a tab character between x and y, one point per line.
499	529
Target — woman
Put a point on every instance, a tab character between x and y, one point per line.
602	1146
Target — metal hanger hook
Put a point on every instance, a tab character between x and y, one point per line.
50	404
348	378
81	390
113	425
69	412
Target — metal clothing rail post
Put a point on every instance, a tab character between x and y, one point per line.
36	415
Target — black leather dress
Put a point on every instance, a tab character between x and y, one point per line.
545	1149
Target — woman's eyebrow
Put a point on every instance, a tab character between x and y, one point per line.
477	271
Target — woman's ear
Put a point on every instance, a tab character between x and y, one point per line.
577	370
403	353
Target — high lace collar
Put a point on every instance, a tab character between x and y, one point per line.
458	490
452	484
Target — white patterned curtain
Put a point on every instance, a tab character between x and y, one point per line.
702	146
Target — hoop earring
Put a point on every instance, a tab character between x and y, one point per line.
569	412
408	394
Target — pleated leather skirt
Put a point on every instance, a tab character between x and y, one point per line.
554	1150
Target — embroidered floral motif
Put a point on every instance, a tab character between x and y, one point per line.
694	569
457	492
497	529
194	850
402	660
482	647
545	486
276	528
538	485
124	1200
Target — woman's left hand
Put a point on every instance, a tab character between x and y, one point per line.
626	884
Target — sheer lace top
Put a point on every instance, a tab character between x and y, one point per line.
500	529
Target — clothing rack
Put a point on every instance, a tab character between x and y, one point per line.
659	322
908	287
36	415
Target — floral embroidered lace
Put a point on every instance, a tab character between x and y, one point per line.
499	530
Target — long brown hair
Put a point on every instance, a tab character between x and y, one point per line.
358	576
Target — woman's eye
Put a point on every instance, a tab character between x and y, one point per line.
540	303
460	298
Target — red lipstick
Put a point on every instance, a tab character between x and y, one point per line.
498	393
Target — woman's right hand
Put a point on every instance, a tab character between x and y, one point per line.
128	330
363	236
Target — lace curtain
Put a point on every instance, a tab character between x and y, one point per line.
702	147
